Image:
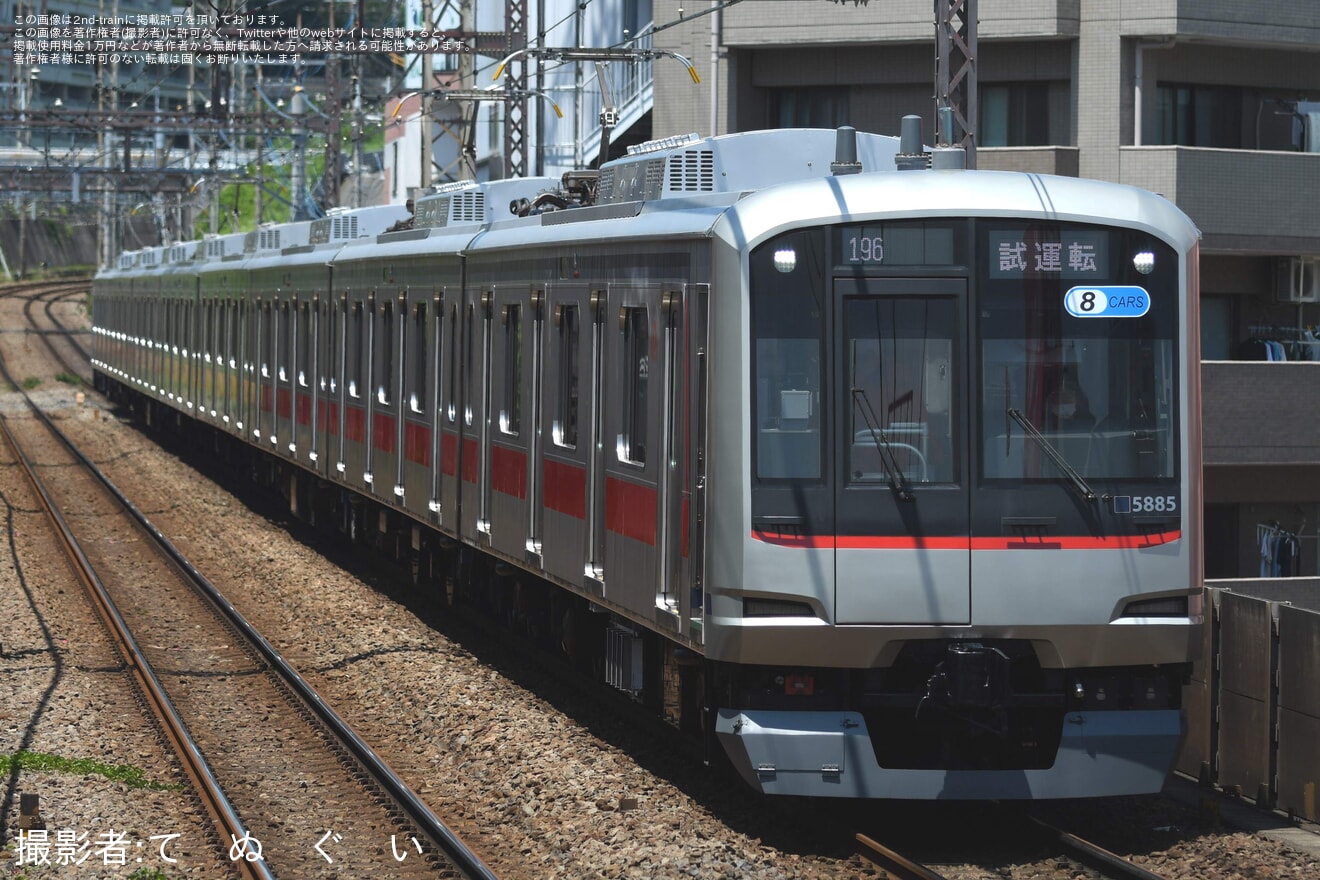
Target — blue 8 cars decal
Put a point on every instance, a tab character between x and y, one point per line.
1117	301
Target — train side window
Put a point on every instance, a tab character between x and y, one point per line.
471	343
634	371
384	354
511	411
419	389
565	428
287	315
267	333
452	413
304	343
353	360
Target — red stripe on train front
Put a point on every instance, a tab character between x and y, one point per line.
508	471
630	510
565	488
900	542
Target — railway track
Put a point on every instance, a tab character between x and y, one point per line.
280	775
1064	855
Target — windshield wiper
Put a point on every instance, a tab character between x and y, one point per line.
893	472
1055	456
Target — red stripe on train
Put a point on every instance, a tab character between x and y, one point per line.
508	471
630	510
448	453
383	437
417	443
470	460
899	542
565	488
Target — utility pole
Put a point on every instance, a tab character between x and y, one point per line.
259	195
298	183
428	83
467	160
955	75
330	174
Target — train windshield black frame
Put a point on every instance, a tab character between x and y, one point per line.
1103	391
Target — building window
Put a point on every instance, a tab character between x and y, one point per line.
1015	114
1199	116
809	107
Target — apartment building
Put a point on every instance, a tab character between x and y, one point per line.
1213	103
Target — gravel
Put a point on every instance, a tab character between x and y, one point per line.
543	781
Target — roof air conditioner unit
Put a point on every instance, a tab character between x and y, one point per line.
1298	280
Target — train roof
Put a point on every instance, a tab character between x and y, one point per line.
742	188
955	193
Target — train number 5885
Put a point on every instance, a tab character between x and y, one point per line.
1154	503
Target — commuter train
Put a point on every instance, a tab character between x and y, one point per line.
884	478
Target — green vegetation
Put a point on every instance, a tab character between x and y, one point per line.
131	776
148	874
68	378
30	382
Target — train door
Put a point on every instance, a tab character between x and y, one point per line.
691	433
448	361
509	488
474	421
286	392
903	547
568	416
417	406
634	456
304	379
267	371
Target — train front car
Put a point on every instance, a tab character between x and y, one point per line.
962	556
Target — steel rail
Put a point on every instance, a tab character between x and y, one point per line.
465	860
893	864
1098	855
176	731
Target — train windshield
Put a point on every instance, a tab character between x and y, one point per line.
1078	351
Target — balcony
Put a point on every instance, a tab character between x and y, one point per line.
814	22
1257	413
1243	201
1222	20
1032	160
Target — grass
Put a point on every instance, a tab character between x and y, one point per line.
131	776
30	382
68	379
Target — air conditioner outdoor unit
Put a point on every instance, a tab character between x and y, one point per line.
1298	280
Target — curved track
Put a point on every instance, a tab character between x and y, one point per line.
266	735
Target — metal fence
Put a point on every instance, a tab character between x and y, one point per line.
1254	701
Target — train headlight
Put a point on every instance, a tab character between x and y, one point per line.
1144	262
785	260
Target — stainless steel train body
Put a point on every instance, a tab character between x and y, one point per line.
890	479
